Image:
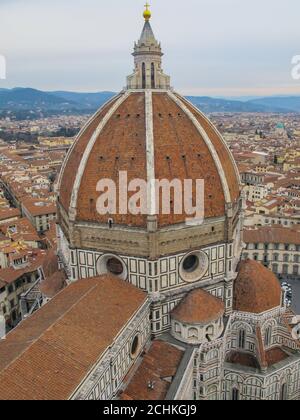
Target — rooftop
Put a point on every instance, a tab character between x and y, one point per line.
272	235
49	354
159	366
256	288
39	206
198	307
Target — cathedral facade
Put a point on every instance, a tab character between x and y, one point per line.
167	309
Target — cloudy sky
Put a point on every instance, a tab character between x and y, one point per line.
212	47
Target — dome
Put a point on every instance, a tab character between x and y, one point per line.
152	134
198	307
139	133
256	288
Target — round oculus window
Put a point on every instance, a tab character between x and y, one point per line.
135	347
194	266
114	266
111	264
191	263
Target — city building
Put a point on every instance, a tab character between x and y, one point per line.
15	280
40	212
276	247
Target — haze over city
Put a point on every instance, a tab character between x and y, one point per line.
212	47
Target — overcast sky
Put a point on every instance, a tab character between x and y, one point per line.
212	47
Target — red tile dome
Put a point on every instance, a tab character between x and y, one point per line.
256	288
199	307
141	132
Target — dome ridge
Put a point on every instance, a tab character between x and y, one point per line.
217	132
208	143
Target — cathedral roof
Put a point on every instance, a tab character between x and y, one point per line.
272	356
198	307
256	288
49	354
159	366
151	133
147	134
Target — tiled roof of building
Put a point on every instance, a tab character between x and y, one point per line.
243	359
6	214
159	366
275	355
198	307
39	206
50	236
35	261
50	265
256	288
271	357
271	235
49	354
20	228
53	284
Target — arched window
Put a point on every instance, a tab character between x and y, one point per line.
285	269
143	76
283	392
193	333
235	394
210	333
212	392
268	336
152	76
177	328
242	339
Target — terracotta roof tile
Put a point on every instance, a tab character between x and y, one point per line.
273	235
199	307
243	359
39	206
159	365
222	151
256	288
179	153
72	162
275	355
6	214
121	146
179	158
49	354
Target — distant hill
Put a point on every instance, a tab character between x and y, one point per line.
31	99
85	100
208	105
288	103
23	101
